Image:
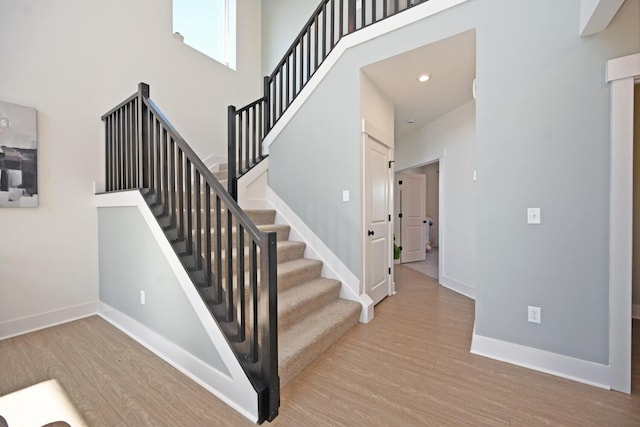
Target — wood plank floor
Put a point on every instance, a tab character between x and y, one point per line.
410	366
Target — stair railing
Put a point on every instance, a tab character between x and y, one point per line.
230	261
329	23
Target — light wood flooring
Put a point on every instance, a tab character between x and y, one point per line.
410	366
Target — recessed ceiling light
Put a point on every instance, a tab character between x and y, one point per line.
411	121
424	77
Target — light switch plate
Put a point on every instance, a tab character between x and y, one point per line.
533	216
345	195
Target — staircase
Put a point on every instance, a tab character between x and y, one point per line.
311	316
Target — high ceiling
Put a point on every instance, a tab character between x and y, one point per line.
451	64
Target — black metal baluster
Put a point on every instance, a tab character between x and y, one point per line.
198	217
181	207
218	250
247	153
253	283
172	181
189	203
241	314
207	234
324	30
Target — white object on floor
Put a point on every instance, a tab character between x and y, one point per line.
38	405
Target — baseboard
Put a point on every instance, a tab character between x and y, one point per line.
635	311
214	381
333	267
583	371
461	288
25	325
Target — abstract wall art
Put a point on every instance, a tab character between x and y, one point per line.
18	157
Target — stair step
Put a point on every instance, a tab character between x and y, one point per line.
282	230
300	301
261	216
289	250
296	272
303	342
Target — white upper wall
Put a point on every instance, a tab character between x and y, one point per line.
73	60
278	37
451	139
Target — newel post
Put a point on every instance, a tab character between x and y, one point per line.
143	136
232	177
267	105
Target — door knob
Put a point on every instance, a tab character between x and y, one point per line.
370	233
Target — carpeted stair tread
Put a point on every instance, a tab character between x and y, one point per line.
281	229
261	216
289	250
298	271
302	300
303	342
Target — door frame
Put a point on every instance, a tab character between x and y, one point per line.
442	218
369	129
621	76
395	216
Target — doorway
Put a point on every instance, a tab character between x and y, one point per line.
427	198
621	73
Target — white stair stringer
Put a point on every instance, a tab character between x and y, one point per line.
333	267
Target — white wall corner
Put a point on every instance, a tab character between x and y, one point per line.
333	267
459	287
583	371
595	15
36	322
252	187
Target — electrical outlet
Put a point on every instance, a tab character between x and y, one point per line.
143	298
534	314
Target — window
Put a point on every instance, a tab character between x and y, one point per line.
208	26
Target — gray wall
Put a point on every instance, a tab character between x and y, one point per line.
130	262
542	141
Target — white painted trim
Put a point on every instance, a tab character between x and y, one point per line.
15	327
621	73
635	311
560	365
595	15
332	267
459	287
400	20
249	180
209	378
624	67
241	392
376	133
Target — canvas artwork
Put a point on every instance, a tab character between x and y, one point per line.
18	156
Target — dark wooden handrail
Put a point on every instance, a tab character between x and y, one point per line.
230	261
328	24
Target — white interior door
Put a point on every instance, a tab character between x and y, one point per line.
377	195
413	228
